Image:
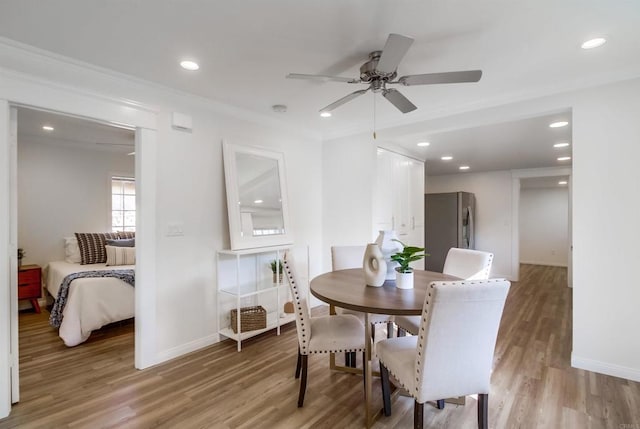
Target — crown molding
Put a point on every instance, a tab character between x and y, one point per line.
34	65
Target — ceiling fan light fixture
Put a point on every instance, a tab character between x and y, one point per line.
423	144
558	124
594	43
189	65
325	114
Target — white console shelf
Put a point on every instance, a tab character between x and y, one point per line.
245	279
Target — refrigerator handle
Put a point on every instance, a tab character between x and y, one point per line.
471	230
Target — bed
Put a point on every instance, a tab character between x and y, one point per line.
91	302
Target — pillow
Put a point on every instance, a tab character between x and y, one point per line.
131	242
71	250
120	255
125	235
92	246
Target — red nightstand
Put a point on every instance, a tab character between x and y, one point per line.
30	284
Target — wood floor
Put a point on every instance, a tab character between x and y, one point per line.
95	385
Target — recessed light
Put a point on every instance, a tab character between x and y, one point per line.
564	158
189	65
464	167
325	114
47	128
258	202
561	144
562	182
594	43
423	144
446	158
558	124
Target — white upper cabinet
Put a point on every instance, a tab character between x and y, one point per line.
398	196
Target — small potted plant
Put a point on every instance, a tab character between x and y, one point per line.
276	269
404	273
21	254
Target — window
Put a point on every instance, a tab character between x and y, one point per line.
123	204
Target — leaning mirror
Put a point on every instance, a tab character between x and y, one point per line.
256	197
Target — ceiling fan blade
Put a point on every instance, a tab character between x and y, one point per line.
322	78
438	78
401	102
393	52
344	100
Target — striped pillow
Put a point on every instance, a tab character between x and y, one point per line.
92	246
121	255
126	235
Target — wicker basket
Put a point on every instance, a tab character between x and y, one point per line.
251	318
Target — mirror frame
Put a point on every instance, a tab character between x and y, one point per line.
238	241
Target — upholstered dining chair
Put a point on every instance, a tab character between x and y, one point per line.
463	263
452	355
343	258
325	334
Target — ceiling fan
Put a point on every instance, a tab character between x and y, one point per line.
381	70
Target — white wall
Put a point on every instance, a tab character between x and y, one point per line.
544	226
190	182
62	190
493	211
606	209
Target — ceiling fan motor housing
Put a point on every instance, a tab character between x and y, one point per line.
369	72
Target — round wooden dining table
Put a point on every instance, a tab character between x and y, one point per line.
348	289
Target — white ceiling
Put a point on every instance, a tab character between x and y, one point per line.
72	132
246	48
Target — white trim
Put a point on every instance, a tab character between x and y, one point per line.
145	290
5	265
192	346
605	368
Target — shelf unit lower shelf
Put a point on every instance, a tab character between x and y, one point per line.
274	321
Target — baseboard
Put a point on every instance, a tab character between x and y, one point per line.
548	264
186	348
605	368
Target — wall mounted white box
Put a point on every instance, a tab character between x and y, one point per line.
181	121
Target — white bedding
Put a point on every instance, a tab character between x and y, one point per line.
92	302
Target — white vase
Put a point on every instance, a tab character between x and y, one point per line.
404	280
388	248
374	266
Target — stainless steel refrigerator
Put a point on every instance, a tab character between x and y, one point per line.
448	223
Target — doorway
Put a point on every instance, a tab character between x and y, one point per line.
106	112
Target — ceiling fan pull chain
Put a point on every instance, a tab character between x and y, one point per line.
374	114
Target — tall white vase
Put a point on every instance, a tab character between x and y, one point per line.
374	265
389	247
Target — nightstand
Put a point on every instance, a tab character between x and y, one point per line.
30	284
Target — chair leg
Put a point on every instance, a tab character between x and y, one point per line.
440	404
418	412
483	411
298	364
386	390
389	329
303	381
